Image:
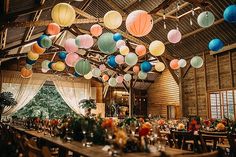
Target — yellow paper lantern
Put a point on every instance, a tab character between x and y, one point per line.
157	48
124	50
160	66
112	19
63	14
32	56
60	66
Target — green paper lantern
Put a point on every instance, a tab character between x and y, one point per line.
112	82
205	19
196	62
82	67
142	75
131	59
106	43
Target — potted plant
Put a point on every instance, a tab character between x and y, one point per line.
6	99
88	105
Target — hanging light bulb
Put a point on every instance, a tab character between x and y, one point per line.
178	6
190	21
193	12
164	25
164	16
177	27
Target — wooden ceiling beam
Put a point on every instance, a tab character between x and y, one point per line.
115	7
224	49
3	39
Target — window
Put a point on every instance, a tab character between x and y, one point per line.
222	104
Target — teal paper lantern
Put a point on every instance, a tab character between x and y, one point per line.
45	64
127	77
196	62
230	14
96	72
62	55
111	61
131	59
205	19
142	75
146	66
106	43
215	44
82	67
112	82
44	41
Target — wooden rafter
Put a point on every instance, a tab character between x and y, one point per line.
3	38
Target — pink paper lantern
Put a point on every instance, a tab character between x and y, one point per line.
119	59
96	30
102	67
119	79
85	41
174	64
71	59
140	50
136	69
105	77
120	43
174	36
70	45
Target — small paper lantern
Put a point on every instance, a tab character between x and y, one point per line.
117	37
62	55
124	50
111	61
102	67
112	82
105	77
63	14
96	72
106	43
88	76
76	74
31	62
70	45
50	65
44	41
127	77
96	30
28	66
53	29
139	23
142	75
174	36
196	62
44	70
119	59
205	19
32	56
37	49
131	59
215	44
120	43
60	66
140	50
182	63
119	79
82	52
112	19
53	66
230	14
84	41
157	48
159	66
174	64
83	67
146	66
136	69
71	59
44	64
26	73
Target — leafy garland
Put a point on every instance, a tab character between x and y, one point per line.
6	99
88	103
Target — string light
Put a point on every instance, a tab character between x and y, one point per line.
190	21
164	25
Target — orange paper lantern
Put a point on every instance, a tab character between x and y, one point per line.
53	29
37	49
140	50
105	77
26	73
96	30
174	64
136	68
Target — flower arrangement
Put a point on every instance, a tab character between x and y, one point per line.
120	138
180	126
194	126
220	127
145	129
108	123
161	122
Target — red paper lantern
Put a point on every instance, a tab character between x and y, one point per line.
53	29
174	64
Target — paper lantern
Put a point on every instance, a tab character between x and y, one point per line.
88	76
60	66
44	41
105	77
142	75
174	36
136	69
96	30
131	59
174	64
127	77
28	66
53	29
62	55
146	66
230	14
196	62
159	66
102	67
44	70
71	59
76	74
83	67
82	52
31	62
50	65
117	37
112	82
182	63
139	23
32	56
70	45
119	79
106	43
44	64
124	50
84	41
53	66
63	14
119	59
111	61
120	43
140	50
26	73
205	19
112	19
96	72
37	49
157	48
215	44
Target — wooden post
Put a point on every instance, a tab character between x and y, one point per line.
195	87
205	85
131	94
218	72
231	69
181	108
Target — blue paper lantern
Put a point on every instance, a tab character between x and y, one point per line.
30	62
215	44
117	36
230	14
62	55
111	61
50	65
44	41
146	66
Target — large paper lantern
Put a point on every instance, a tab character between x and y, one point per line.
102	67
44	41
37	49
157	48
119	59
146	66
105	77
124	50
31	62
174	36
127	77
84	41
63	14
83	67
159	66
71	59
96	72
62	55
136	69
96	30
230	14
111	61
53	29
44	64
139	23
142	75
140	50
88	76
26	73
205	19
182	63
215	44
112	19
60	66
112	82
131	59
196	62
174	64
119	79
117	36
70	45
120	43
32	56
106	43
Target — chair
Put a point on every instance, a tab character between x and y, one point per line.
210	154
